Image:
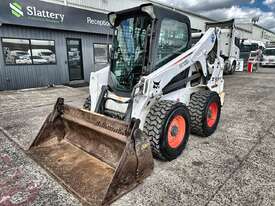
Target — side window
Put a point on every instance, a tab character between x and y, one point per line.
100	53
43	52
28	51
173	40
16	51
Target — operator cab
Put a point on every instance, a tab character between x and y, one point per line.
144	39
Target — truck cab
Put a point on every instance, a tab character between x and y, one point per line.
248	46
268	57
230	44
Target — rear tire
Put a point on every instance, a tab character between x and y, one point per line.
226	69
205	110
233	68
168	127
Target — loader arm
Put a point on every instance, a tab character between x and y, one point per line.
151	87
197	54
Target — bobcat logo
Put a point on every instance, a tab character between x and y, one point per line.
156	85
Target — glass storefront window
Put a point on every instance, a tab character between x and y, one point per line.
27	52
16	51
43	52
101	53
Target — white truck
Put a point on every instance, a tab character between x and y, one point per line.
268	56
248	46
230	44
43	55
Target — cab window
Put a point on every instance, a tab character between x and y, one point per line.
173	40
269	52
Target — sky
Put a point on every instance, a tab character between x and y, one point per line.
242	10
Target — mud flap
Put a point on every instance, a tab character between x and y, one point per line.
96	157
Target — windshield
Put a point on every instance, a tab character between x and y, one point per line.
248	48
37	57
129	47
253	54
22	53
269	52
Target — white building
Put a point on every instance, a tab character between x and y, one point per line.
255	32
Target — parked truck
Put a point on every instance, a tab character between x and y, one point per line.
247	46
230	44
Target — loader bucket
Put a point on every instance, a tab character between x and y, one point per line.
95	157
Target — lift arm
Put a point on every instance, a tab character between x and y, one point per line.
156	81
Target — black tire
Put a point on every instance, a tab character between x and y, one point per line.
233	68
87	103
226	69
156	128
199	107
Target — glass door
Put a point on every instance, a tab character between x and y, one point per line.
75	64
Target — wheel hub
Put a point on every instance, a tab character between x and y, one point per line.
212	114
174	131
209	114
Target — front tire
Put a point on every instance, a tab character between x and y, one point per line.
205	111
168	127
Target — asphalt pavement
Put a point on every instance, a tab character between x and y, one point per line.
235	166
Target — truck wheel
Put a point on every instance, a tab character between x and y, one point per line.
168	127
87	103
226	69
233	68
205	110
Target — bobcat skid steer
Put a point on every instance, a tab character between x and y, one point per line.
156	91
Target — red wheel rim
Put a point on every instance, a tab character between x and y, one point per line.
176	131
212	114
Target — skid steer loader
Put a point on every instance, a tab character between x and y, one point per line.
156	91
